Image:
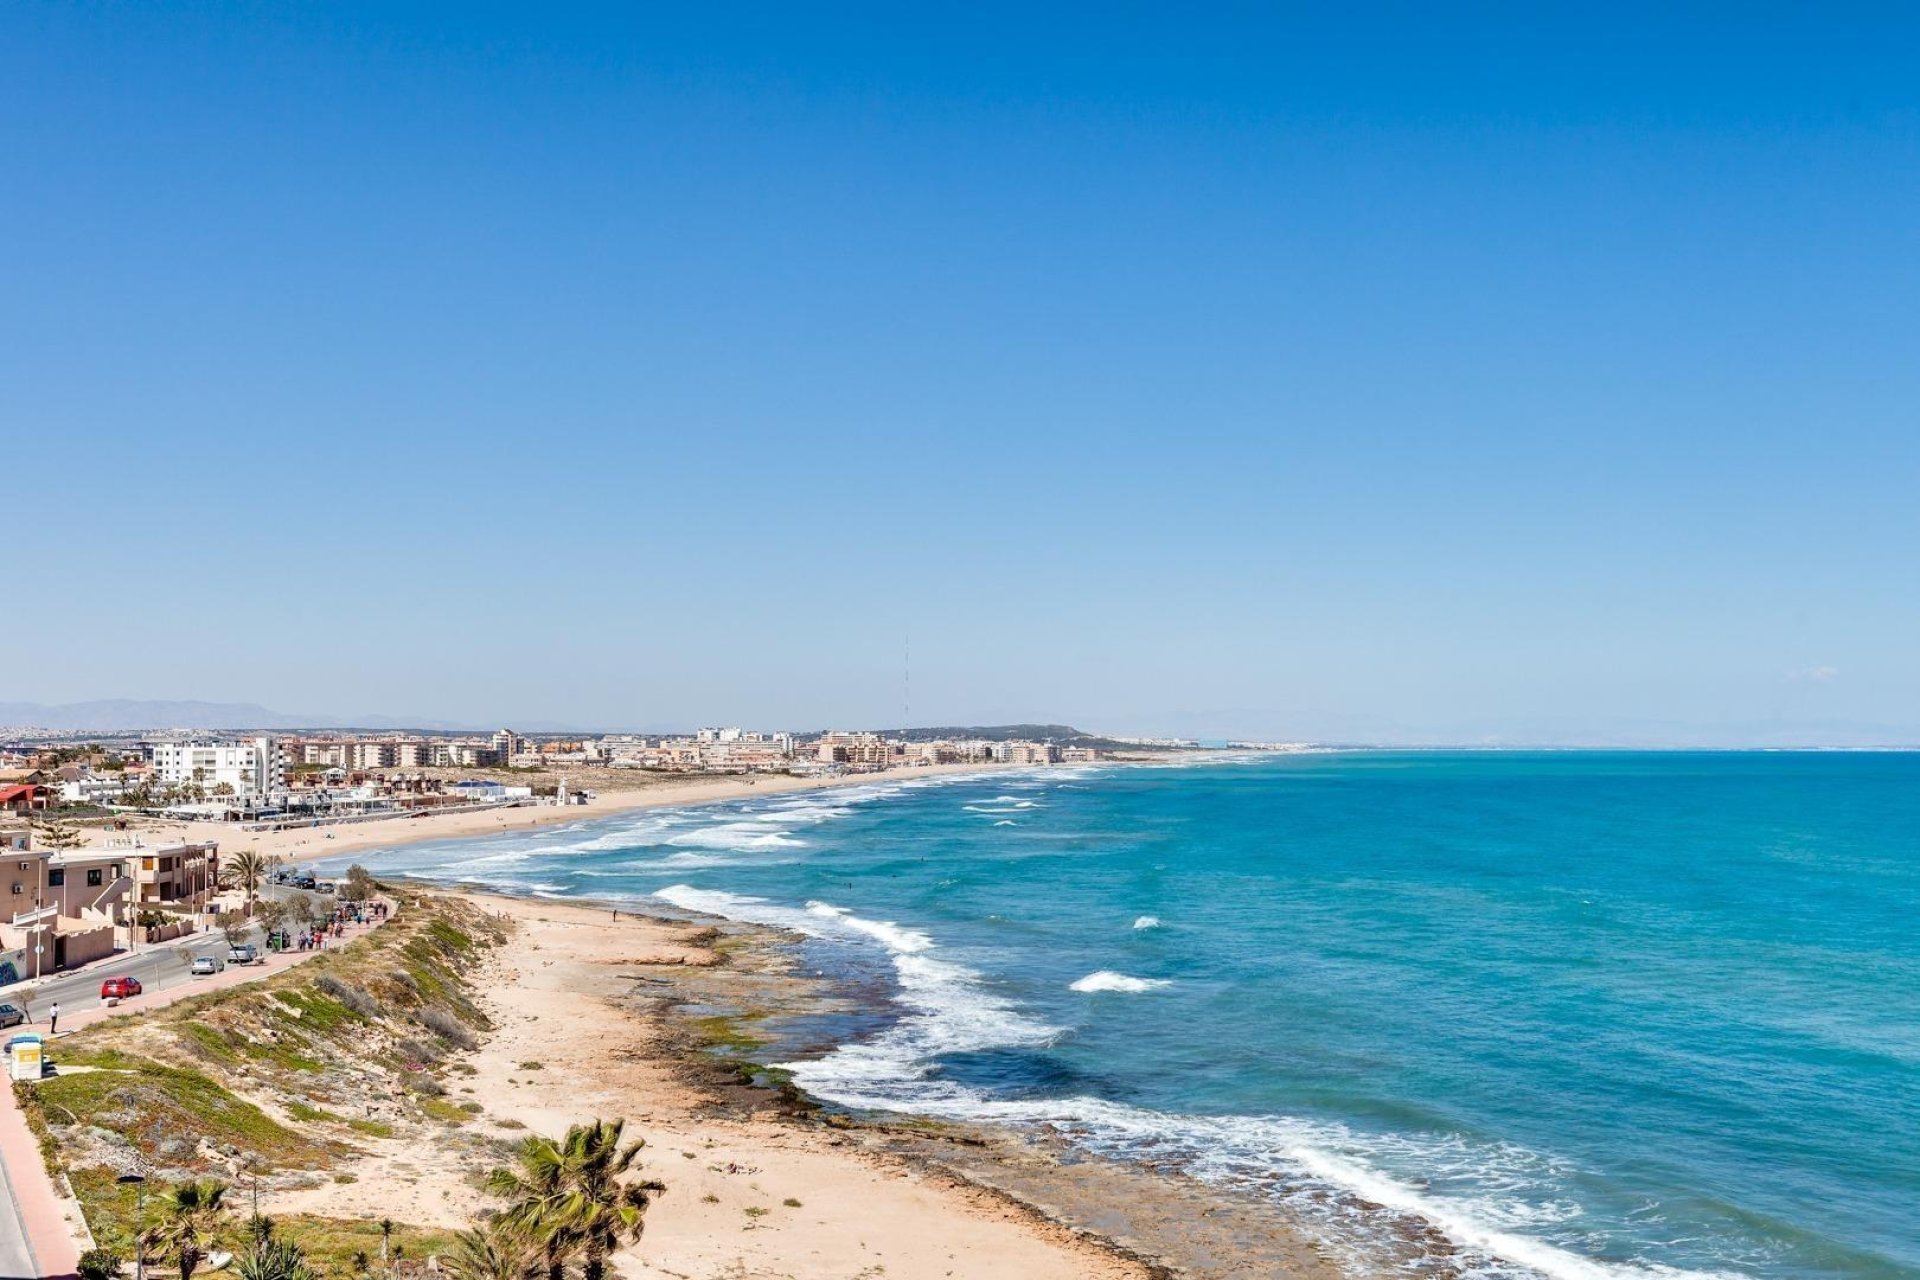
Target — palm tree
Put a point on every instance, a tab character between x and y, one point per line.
607	1210
386	1241
489	1252
572	1197
192	1214
247	869
535	1195
271	1259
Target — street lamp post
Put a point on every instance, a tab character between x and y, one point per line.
139	1183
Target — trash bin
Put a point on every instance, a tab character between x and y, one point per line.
25	1060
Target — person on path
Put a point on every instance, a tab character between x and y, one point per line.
53	1019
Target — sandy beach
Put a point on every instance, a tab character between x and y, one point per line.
636	791
589	1014
752	1193
591	1020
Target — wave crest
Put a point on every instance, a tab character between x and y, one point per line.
1108	980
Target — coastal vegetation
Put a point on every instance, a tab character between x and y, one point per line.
161	1121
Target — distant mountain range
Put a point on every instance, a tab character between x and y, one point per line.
133	715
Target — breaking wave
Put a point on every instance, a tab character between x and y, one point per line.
1108	980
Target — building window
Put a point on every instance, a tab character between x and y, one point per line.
93	877
56	878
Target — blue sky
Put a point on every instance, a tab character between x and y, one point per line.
1508	373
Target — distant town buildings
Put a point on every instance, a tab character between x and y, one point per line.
253	766
709	750
271	780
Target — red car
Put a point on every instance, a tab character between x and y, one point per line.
119	988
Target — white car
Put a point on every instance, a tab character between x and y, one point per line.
207	966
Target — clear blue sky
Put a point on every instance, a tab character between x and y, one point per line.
1508	371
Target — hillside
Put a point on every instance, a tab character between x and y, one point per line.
1064	735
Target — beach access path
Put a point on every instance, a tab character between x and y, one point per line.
41	1230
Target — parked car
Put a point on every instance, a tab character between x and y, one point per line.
242	953
121	988
325	886
207	966
11	1015
303	882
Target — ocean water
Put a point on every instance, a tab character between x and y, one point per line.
1588	1015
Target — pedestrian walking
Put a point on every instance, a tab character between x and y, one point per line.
53	1019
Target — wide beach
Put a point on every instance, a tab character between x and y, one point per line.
583	1006
589	1009
1419	1005
295	845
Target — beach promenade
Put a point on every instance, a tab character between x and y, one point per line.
41	1230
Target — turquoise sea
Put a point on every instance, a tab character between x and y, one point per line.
1588	1014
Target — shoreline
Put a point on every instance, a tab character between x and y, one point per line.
701	1018
698	1018
1144	1214
1140	1211
298	845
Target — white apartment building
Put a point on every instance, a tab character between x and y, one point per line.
375	755
252	766
332	754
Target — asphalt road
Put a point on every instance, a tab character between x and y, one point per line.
158	968
162	967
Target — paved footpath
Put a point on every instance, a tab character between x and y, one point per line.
40	1228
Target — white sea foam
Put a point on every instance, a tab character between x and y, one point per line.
740	836
1492	1202
1006	822
1108	980
1146	922
784	815
946	1007
735	906
949	1009
681	862
888	934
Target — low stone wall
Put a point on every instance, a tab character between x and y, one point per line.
84	946
169	931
